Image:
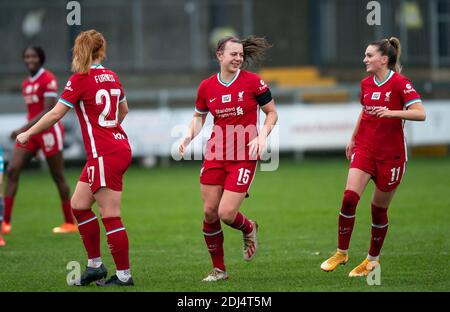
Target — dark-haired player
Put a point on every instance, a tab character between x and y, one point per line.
40	94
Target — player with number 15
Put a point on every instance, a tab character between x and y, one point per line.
233	97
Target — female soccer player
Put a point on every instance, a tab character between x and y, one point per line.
233	97
2	241
377	149
39	91
97	96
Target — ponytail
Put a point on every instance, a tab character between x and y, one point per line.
392	49
89	45
254	48
395	42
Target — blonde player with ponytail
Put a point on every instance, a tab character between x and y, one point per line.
377	149
98	98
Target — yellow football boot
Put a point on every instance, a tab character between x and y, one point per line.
339	258
364	268
6	228
66	228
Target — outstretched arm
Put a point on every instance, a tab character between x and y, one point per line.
48	120
49	103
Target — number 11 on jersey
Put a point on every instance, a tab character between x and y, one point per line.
395	174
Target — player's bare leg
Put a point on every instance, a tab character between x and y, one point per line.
212	231
229	214
20	158
82	201
356	183
82	197
109	204
357	180
380	203
211	195
382	199
56	165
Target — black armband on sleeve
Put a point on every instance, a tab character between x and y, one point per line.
264	98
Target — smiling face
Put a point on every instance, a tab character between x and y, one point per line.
232	57
374	61
31	60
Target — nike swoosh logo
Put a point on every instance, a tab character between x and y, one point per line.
212	100
390	183
241	183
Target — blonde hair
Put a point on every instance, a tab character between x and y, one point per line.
89	45
392	49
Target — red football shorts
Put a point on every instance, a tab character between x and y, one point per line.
106	171
50	141
386	175
235	176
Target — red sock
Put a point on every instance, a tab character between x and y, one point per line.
9	202
379	230
67	211
213	235
89	231
117	242
242	223
2	209
347	218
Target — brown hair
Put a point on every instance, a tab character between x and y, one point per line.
254	47
89	45
392	48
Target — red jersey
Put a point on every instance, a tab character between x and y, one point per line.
384	138
235	108
96	97
35	89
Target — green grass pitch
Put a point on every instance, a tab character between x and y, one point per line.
296	207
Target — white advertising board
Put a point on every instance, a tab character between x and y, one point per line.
300	128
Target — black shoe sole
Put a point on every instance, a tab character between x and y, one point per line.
94	278
115	283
